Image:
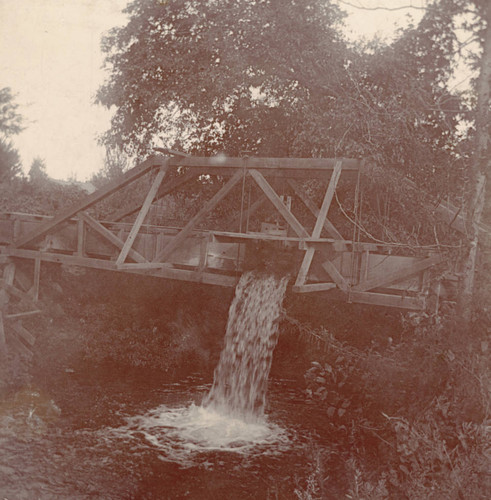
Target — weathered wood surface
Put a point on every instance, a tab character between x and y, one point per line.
64	215
141	215
319	224
281	165
109	236
208	207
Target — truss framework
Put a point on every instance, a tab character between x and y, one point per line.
74	237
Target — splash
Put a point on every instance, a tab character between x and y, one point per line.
241	377
231	417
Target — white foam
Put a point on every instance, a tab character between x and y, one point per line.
181	434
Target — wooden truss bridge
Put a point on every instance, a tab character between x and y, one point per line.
321	258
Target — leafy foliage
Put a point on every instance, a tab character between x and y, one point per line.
10	124
10	119
416	410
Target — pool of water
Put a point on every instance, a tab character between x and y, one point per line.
124	439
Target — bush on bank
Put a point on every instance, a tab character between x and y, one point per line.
406	420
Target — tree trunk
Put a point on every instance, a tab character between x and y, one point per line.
479	174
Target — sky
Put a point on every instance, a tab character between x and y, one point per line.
50	57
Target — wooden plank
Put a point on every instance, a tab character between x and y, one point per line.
388	278
326	203
335	275
208	207
80	236
143	266
12	290
388	300
110	236
19	346
319	224
37	279
22	314
160	272
304	267
278	204
3	343
307	201
203	253
285	164
313	287
64	215
164	190
24	333
141	215
9	273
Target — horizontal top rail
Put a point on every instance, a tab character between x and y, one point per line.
282	164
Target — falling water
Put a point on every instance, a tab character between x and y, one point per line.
231	417
241	377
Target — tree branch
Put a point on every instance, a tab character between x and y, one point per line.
361	7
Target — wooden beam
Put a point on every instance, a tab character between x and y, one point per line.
389	300
24	333
208	207
307	201
22	314
9	273
110	236
64	215
282	164
3	343
12	290
335	275
326	203
141	216
319	224
313	287
17	344
164	190
279	205
108	265
80	237
37	279
398	275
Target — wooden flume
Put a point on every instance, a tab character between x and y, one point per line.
214	256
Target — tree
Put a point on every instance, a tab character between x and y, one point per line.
10	162
222	75
479	172
37	172
10	124
276	78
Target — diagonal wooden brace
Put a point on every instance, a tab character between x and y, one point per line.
141	216
164	190
319	224
279	205
398	275
109	236
307	201
209	206
100	194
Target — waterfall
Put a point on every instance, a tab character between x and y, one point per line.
241	377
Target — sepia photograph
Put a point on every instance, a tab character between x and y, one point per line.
245	249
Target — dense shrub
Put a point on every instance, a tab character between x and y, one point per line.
409	420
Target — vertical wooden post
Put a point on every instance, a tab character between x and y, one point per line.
3	343
203	253
37	278
80	236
